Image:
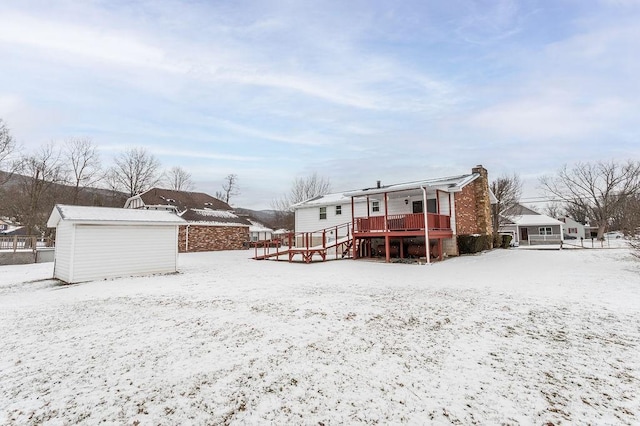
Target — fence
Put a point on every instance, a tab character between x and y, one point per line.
24	242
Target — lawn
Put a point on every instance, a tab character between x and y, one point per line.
508	336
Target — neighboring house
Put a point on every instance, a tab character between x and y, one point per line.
573	230
94	243
259	232
389	220
529	227
9	228
211	223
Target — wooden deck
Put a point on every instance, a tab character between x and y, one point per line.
301	246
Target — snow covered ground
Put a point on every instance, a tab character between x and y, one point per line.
508	336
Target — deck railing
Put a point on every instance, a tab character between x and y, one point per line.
545	239
402	222
335	238
24	242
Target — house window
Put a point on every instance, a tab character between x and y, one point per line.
338	210
375	206
323	213
573	230
432	206
545	231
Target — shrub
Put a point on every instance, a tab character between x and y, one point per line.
506	241
468	244
497	240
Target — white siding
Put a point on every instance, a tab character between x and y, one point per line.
443	200
308	218
105	251
452	214
62	260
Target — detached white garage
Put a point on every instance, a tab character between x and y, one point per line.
94	243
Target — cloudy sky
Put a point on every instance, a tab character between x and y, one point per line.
356	90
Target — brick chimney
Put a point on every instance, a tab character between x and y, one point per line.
483	202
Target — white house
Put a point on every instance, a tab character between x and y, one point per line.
94	243
396	220
259	232
530	227
573	229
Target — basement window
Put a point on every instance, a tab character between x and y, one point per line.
323	213
338	210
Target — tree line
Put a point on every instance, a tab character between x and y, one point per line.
72	172
605	194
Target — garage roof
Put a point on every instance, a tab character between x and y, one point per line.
111	215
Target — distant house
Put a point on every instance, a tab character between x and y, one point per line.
211	223
395	221
8	228
95	243
529	227
573	230
259	232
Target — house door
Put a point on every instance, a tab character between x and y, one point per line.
417	206
524	235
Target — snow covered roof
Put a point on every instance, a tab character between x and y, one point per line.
101	215
258	227
327	199
533	220
450	184
214	217
181	200
13	230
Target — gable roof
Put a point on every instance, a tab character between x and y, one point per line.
524	216
533	220
113	215
450	184
181	200
214	217
519	209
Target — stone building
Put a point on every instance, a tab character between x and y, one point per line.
211	223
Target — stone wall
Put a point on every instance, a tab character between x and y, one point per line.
473	206
213	238
466	222
483	202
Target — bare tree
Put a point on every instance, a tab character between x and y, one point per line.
35	195
230	188
600	188
83	160
554	210
302	189
178	179
135	171
8	149
627	217
507	189
576	212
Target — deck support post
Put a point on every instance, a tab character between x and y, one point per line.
353	229
427	244
387	245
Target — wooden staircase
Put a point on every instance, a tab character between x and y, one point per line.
325	244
